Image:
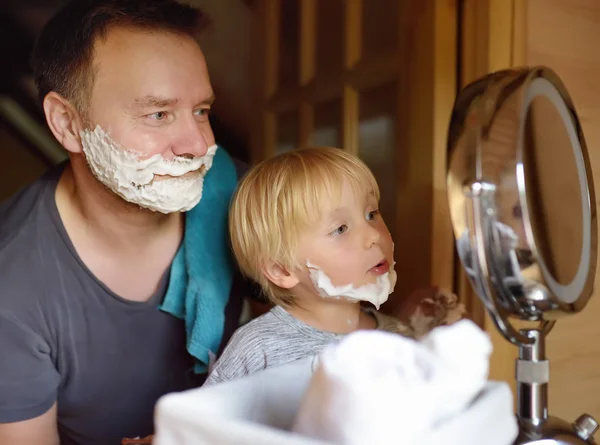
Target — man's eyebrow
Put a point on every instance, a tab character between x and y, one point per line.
208	101
154	101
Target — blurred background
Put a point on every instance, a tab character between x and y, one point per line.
377	78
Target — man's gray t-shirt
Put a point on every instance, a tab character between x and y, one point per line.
277	338
65	337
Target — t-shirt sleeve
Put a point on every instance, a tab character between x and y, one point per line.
28	378
242	356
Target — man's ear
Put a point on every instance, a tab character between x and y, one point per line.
279	275
64	121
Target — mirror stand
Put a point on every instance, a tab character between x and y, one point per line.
523	210
535	425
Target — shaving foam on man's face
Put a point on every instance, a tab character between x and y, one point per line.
151	97
154	183
350	255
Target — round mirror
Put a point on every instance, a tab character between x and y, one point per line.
522	197
555	184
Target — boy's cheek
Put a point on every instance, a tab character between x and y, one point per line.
388	249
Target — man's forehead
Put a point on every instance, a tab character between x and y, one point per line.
135	45
122	34
148	69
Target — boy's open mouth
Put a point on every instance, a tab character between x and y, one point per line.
381	268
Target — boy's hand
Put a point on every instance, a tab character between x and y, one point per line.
428	308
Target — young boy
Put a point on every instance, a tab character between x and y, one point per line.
306	226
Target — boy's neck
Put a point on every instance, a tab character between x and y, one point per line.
336	316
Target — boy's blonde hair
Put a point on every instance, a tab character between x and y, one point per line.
279	199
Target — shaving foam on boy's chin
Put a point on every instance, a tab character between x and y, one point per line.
375	293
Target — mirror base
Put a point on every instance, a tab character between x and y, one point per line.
535	426
554	431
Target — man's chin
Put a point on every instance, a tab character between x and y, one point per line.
164	195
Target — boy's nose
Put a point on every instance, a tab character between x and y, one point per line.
372	235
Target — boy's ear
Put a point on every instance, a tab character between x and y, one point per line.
279	275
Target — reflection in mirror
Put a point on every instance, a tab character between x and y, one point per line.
553	190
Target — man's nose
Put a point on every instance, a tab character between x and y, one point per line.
193	139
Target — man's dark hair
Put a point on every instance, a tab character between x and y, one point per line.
62	59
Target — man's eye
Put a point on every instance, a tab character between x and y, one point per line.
158	116
203	112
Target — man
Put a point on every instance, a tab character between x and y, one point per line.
86	251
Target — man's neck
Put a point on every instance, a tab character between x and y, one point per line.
127	248
337	316
85	202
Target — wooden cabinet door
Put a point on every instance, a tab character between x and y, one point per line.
376	78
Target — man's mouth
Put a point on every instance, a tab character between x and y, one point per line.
381	268
187	175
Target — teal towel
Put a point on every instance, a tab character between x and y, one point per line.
202	271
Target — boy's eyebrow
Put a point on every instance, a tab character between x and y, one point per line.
336	211
369	196
332	215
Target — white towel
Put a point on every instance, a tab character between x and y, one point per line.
379	388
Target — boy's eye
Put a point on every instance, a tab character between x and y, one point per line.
371	215
340	230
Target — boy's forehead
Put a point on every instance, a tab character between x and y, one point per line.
356	193
346	201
